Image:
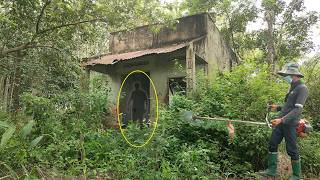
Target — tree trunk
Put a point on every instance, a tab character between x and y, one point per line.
271	56
7	94
2	88
16	86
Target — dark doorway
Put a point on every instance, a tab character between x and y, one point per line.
177	85
135	98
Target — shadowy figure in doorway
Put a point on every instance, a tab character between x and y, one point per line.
138	102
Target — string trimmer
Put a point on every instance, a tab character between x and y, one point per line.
189	116
304	127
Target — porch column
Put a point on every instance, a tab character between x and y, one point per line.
190	68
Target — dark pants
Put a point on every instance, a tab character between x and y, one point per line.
137	115
288	132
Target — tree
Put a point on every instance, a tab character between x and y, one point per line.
287	35
272	8
41	40
232	17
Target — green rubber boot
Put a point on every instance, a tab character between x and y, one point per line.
296	170
272	165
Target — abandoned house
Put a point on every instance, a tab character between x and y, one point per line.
171	57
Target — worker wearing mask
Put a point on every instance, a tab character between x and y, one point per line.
286	123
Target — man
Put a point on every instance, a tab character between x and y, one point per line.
138	99
285	125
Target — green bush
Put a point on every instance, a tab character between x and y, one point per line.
76	143
311	70
310	154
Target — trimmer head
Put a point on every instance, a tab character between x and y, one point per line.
186	115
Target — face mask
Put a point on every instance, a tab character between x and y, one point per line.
288	79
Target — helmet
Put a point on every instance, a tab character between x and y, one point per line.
290	69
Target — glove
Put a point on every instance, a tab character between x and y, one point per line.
230	129
276	122
273	107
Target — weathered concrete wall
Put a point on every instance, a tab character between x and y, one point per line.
199	48
216	50
212	54
188	28
212	49
161	68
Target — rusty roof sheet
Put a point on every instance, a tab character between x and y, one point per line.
114	58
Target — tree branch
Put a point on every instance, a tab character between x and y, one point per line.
70	24
11	50
41	15
44	46
30	44
25	46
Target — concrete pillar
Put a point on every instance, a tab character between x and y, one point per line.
190	68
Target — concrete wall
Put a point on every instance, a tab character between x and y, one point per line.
188	28
211	50
212	54
216	50
161	67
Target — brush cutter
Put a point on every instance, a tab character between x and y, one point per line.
302	130
189	116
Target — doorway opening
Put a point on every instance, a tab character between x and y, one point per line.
177	85
135	98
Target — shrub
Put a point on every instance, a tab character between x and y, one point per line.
310	154
75	142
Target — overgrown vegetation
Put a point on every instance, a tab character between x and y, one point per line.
51	125
67	135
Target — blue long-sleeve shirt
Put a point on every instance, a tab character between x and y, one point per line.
294	102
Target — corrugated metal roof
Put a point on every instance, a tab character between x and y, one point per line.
114	58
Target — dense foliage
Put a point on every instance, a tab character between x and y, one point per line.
74	141
42	42
52	125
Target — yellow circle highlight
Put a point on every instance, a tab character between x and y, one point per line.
119	114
